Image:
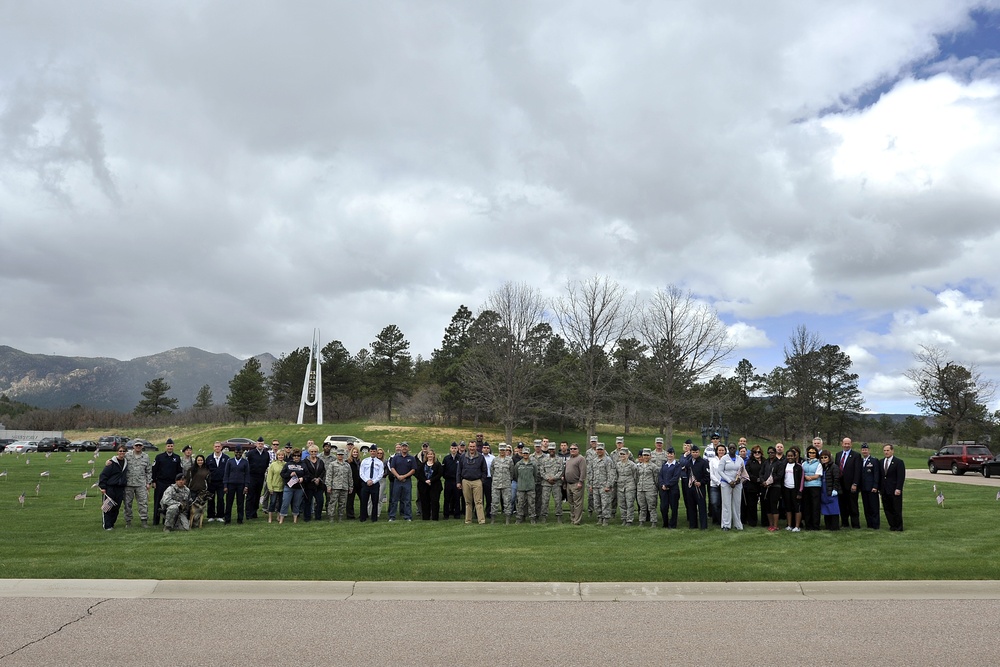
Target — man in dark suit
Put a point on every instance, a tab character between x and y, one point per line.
849	463
893	476
871	480
258	459
166	467
216	464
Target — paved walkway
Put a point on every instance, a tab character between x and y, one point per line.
179	623
973	478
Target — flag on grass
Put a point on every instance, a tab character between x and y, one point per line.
91	461
20	499
998	492
80	496
940	498
38	488
4	473
48	455
27	462
44	473
87	475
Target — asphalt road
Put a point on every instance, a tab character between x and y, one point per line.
973	478
380	623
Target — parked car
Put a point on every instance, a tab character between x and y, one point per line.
147	446
4	442
992	467
960	458
22	446
245	443
53	445
342	441
83	446
109	443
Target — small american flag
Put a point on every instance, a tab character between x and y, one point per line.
38	488
91	461
80	496
87	475
998	492
940	498
935	488
44	473
27	462
48	455
108	504
4	473
20	499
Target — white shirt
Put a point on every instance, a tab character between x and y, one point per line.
372	470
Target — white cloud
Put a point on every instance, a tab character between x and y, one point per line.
747	337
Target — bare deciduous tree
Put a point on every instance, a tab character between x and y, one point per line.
956	395
686	341
500	372
594	315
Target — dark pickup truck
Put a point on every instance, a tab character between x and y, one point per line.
53	445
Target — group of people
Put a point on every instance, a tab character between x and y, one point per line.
732	485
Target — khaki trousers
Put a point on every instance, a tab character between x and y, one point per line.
472	490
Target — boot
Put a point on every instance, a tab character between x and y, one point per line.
559	520
128	524
519	520
506	521
145	524
641	523
534	521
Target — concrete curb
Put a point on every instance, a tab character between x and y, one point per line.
499	591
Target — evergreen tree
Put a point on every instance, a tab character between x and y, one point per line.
248	391
155	400
391	368
204	399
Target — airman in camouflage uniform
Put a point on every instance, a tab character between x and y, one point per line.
339	482
551	469
139	473
540	454
591	456
647	474
659	455
502	472
601	477
175	503
526	472
627	473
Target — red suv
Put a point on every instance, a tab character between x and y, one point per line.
960	458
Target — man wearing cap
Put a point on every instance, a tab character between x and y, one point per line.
187	458
236	485
646	476
615	457
539	455
563	454
339	480
527	473
140	477
626	485
698	481
669	481
258	459
501	473
710	451
402	467
591	456
551	470
602	476
871	480
452	496
166	467
658	456
575	475
176	502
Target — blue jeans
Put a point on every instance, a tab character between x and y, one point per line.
291	496
402	495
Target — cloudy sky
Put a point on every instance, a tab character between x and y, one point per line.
229	175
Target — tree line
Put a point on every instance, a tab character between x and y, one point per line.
597	354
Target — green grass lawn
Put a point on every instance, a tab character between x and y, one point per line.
55	536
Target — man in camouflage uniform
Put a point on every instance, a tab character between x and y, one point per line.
551	469
591	456
502	472
602	476
627	474
539	455
659	455
175	503
527	475
139	473
647	474
339	482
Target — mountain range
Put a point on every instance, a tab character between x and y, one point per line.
49	381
